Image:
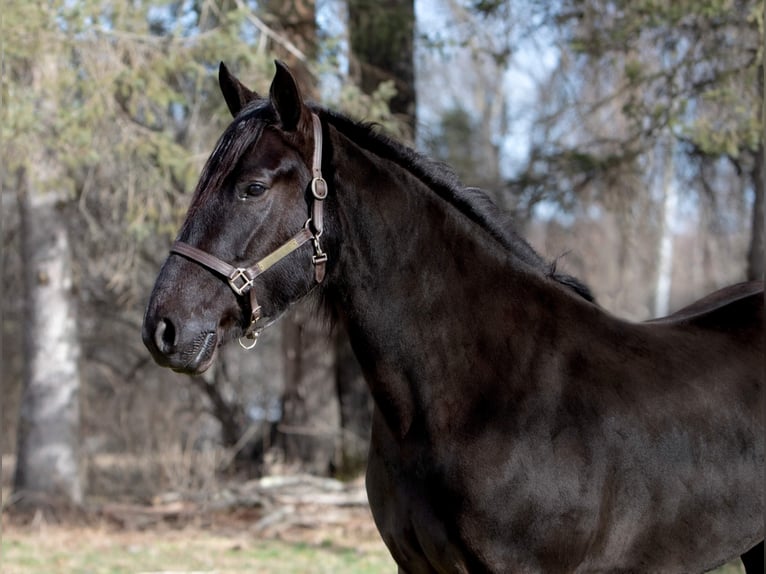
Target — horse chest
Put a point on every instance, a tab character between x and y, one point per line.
415	532
436	518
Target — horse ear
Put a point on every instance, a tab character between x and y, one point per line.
286	97
237	96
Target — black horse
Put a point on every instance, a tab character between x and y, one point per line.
518	427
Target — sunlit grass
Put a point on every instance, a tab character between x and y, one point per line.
55	550
93	551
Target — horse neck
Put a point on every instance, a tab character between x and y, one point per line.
409	276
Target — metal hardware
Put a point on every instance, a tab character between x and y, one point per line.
243	275
319	188
253	336
315	233
319	255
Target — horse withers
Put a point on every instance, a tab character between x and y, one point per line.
518	427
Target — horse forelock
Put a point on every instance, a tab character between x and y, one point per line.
237	138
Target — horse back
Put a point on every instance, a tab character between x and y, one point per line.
733	309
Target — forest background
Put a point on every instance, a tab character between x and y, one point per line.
625	137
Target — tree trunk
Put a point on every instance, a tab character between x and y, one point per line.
756	253
48	455
310	425
382	36
756	250
665	250
355	407
296	19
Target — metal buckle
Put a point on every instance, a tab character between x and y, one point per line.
319	188
240	274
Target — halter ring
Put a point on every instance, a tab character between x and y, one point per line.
253	337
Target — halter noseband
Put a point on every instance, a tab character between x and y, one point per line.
241	279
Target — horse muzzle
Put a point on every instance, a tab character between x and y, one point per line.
188	348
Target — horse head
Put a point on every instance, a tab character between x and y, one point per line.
232	269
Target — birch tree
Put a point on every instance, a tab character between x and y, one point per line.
106	118
48	465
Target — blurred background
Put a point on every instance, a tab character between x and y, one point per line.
625	137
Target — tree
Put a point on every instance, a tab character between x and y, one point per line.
631	77
468	51
756	254
310	426
462	142
382	36
296	22
48	466
108	110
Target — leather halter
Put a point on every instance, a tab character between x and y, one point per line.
241	279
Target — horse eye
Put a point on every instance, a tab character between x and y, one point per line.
255	189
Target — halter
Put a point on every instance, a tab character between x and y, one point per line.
241	279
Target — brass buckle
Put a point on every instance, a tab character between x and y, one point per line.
240	274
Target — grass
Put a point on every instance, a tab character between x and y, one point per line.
56	550
97	551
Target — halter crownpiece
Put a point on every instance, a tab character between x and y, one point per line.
242	279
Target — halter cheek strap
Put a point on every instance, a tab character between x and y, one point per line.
241	279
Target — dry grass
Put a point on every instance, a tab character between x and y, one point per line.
288	532
102	550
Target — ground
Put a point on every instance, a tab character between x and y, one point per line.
275	525
188	550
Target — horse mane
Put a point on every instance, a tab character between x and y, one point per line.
438	176
441	178
501	226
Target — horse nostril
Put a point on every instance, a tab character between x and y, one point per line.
165	336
